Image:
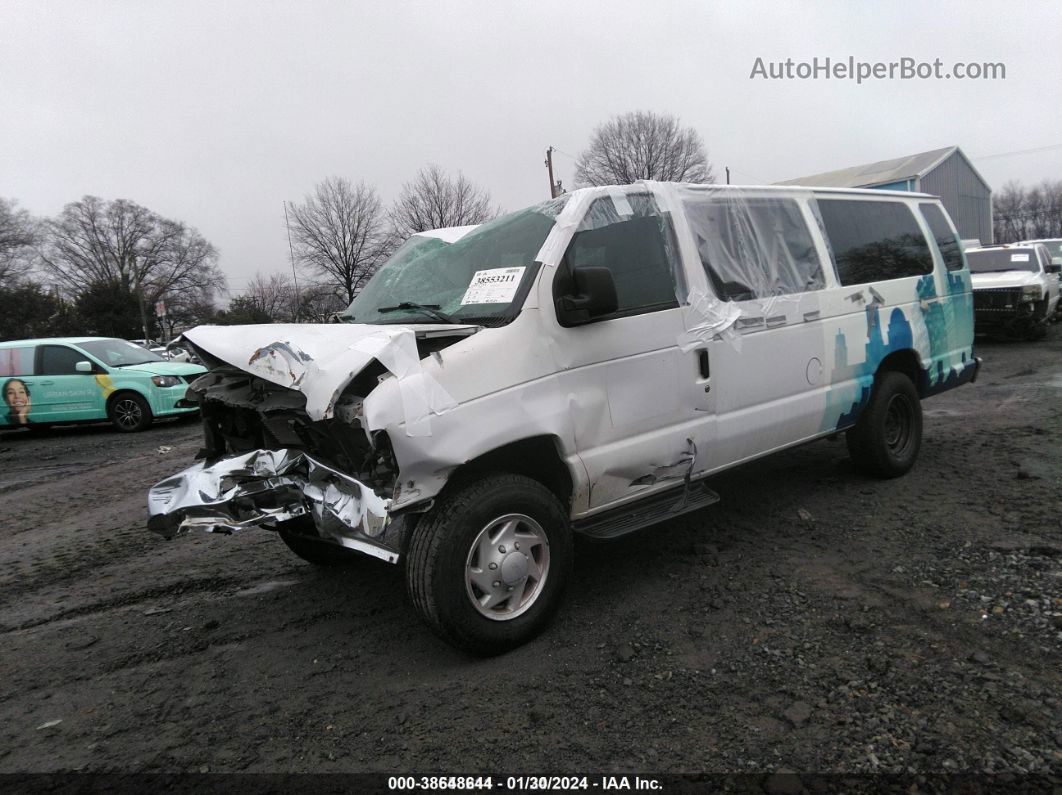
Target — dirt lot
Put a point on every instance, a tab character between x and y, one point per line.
814	620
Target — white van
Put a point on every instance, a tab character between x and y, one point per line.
581	366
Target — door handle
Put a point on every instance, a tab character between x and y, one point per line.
47	383
704	363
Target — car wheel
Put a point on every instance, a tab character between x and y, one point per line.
488	565
301	537
1036	331
129	412
886	439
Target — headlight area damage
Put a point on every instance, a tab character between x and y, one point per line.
290	433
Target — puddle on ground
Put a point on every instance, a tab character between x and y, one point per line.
266	587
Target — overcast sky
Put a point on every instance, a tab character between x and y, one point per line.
214	113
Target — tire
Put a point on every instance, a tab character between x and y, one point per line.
301	537
885	441
1036	332
129	412
478	528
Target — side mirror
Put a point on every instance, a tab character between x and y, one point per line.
594	295
83	367
1054	267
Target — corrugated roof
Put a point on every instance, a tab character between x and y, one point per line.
880	173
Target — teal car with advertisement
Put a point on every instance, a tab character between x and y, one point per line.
87	379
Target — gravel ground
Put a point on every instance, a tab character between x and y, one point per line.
814	620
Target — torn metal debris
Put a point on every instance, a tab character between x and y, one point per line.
264	487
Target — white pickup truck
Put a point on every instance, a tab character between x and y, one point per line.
1016	289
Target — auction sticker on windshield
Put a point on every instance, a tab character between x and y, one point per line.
494	286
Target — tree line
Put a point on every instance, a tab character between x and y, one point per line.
1020	213
100	266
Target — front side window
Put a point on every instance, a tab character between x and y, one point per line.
994	260
947	243
481	278
874	241
629	236
754	247
60	360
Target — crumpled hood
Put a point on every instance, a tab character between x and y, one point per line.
320	359
999	279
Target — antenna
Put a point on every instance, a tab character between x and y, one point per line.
294	275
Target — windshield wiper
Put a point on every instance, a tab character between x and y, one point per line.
432	310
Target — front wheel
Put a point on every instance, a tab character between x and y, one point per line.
488	565
129	412
885	441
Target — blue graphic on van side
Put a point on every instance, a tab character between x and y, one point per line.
853	382
949	325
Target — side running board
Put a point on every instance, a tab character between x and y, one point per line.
652	510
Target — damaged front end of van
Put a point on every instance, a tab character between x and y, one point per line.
292	438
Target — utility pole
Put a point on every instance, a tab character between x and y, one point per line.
140	302
727	174
549	167
295	276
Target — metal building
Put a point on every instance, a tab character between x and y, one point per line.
946	173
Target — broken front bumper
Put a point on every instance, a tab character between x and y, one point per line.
264	487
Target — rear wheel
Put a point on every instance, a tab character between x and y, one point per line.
301	537
885	441
488	565
129	412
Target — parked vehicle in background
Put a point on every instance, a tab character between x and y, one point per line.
1054	248
1016	289
87	379
580	366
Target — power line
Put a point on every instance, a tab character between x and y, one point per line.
1019	152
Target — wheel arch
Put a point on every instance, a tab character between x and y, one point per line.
536	457
111	398
908	363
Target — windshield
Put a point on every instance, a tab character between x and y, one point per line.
1003	259
1054	247
480	278
119	353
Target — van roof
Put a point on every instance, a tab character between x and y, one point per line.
784	189
70	340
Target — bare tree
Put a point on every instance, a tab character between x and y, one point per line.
434	200
339	233
94	242
318	302
1020	213
643	145
273	295
18	234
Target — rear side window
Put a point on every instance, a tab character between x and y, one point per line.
60	360
873	241
635	242
16	361
754	248
947	242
